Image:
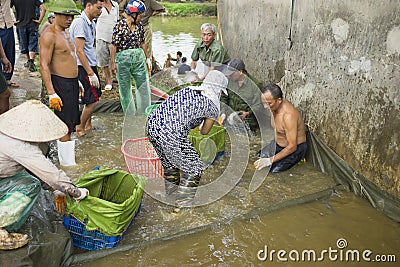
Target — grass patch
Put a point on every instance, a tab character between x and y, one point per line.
190	9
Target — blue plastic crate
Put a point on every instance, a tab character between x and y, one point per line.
93	239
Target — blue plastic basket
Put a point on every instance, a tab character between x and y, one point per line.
92	239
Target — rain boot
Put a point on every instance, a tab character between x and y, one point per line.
66	153
187	189
171	180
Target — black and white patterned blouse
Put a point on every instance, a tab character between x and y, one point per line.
124	38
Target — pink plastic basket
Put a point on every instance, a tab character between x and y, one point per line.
141	158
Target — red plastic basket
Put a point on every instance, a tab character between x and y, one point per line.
141	158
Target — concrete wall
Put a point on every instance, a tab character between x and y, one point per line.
342	71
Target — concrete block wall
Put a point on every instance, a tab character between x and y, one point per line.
342	70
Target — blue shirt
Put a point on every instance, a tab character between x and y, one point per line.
82	27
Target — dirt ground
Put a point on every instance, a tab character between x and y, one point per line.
30	83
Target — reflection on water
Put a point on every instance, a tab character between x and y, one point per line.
172	34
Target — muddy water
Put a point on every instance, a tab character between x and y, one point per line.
237	229
243	242
241	228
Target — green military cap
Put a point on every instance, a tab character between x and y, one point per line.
65	7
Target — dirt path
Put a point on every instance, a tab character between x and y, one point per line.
30	83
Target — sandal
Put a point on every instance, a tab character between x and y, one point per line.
108	87
12	84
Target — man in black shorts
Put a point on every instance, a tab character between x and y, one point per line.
59	67
83	35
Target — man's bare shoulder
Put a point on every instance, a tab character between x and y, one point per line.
290	111
48	34
289	107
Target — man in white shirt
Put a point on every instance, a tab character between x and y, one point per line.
104	29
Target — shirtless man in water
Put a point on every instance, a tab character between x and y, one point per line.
289	146
59	67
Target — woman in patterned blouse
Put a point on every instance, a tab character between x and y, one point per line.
168	127
128	55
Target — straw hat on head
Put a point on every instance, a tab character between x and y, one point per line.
32	121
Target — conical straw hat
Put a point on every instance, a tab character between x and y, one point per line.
32	121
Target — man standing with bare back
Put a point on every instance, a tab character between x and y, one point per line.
289	146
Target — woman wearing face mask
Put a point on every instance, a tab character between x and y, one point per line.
129	58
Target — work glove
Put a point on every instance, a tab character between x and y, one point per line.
221	119
78	193
149	64
234	116
59	201
262	163
81	86
198	128
94	81
55	102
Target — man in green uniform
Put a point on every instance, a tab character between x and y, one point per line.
211	52
243	94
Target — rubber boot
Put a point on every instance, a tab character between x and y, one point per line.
187	189
66	153
171	180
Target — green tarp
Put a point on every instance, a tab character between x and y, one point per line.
114	199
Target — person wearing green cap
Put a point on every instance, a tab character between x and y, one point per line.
59	68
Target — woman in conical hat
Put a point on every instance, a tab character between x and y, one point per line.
168	127
21	129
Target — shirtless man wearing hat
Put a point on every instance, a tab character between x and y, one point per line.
59	67
59	70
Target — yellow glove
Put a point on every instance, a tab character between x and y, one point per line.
55	102
60	201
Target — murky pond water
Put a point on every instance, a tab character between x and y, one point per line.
234	230
241	228
308	227
173	34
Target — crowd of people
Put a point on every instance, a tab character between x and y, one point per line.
117	38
